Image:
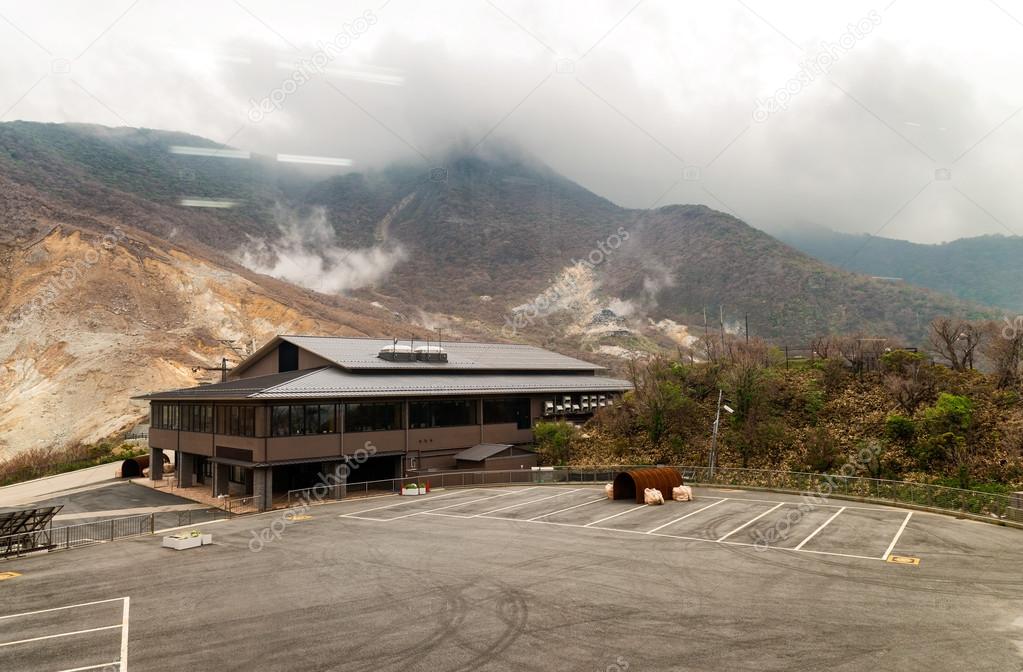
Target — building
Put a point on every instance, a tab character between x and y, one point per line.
302	406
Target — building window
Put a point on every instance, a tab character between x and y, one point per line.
300	420
503	411
164	416
373	417
236	475
236	420
443	413
197	418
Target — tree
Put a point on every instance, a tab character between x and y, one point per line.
909	380
1004	350
956	341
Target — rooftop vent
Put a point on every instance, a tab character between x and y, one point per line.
431	353
396	353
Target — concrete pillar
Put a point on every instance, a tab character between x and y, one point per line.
185	468
335	476
155	463
220	476
260	493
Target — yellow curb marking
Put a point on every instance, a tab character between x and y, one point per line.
903	560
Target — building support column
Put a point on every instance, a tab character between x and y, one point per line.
262	488
185	469
221	472
155	463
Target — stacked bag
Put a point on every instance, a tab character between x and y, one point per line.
682	493
653	496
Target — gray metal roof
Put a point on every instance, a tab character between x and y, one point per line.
235	389
332	382
482	451
361	353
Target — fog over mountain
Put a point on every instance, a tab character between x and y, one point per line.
896	119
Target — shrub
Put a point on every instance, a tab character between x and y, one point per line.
822	454
553	440
900	429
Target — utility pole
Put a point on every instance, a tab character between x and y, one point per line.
714	438
222	368
747	327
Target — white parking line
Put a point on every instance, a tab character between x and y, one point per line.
531	501
124	636
902	528
70	606
620	513
62	634
692	513
599	499
101	666
408	501
451	506
814	533
748	523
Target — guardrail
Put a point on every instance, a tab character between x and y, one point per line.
955	500
75	536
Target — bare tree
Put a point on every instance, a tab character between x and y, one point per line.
1003	347
956	341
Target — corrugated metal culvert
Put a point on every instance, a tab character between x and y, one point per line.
631	484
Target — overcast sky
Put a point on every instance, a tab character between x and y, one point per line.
898	118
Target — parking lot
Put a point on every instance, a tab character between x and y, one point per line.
863	532
533	578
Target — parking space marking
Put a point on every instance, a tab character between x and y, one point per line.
620	513
902	528
599	499
409	501
121	664
124	636
691	513
532	501
814	533
62	634
70	606
750	522
451	506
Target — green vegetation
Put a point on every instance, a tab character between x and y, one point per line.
36	463
891	414
553	439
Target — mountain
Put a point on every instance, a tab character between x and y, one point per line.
113	285
983	269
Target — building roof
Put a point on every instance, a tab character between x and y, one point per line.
482	451
361	354
332	382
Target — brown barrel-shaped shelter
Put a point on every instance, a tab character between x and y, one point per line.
631	484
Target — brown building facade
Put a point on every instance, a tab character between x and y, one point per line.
302	406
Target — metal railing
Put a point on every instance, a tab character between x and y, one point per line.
82	534
957	500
